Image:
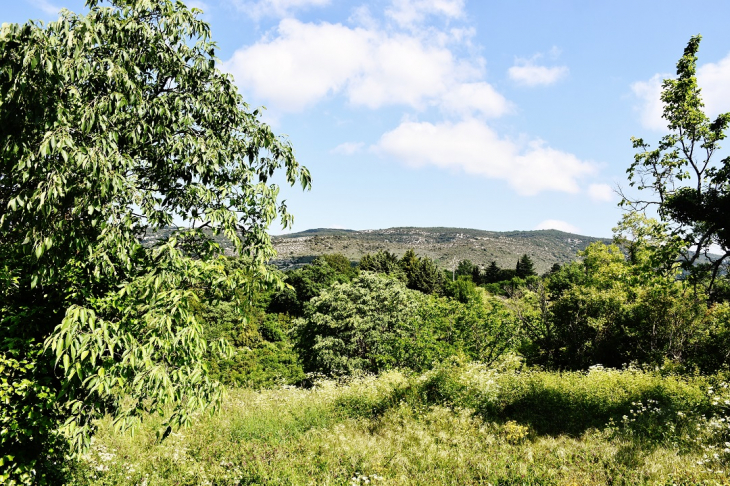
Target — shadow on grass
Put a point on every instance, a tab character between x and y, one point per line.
554	412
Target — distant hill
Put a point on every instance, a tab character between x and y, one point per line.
444	245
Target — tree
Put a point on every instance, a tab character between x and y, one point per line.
426	277
340	263
690	190
303	284
382	262
525	268
352	327
375	323
114	125
492	273
465	268
477	275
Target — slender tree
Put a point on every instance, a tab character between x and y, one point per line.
688	187
525	267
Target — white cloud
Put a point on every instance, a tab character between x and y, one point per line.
712	78
46	6
304	63
558	225
601	192
409	12
275	8
481	98
528	167
651	106
348	148
528	73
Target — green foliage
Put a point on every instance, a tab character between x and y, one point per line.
612	309
341	264
418	273
460	423
303	284
573	402
261	355
462	289
30	446
112	124
491	273
691	190
384	262
464	268
375	323
423	275
351	327
525	267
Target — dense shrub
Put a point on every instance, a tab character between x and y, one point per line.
305	283
375	323
261	354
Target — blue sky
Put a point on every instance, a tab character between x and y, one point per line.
496	115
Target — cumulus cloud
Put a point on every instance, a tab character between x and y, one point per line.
558	225
650	106
306	62
467	99
46	6
601	192
348	148
529	167
275	8
528	73
409	12
713	79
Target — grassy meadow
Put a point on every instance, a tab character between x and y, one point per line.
458	424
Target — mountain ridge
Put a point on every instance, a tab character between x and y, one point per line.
443	244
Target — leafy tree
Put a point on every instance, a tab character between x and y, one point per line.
113	125
613	309
340	263
462	289
690	189
383	262
375	323
351	327
492	273
426	277
465	268
418	273
305	283
525	268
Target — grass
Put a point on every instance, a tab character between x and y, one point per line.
460	424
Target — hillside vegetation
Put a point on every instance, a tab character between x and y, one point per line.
446	246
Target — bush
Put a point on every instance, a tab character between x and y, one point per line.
375	323
352	327
262	356
31	449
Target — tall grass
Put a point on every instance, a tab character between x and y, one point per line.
460	423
